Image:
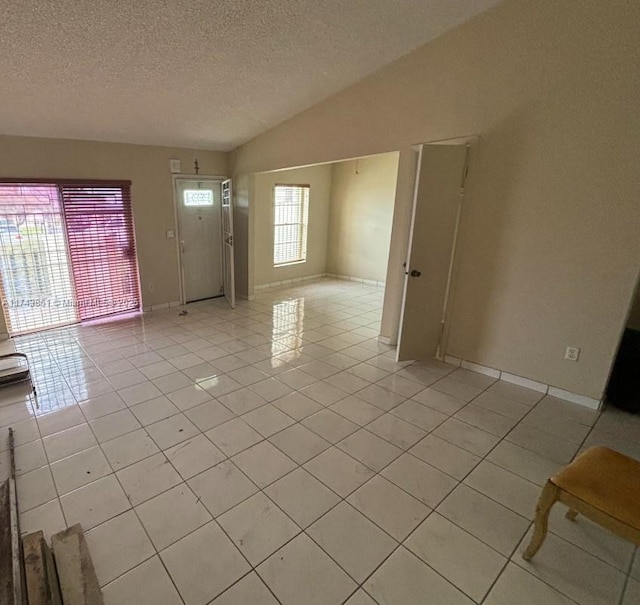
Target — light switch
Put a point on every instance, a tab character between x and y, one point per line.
170	234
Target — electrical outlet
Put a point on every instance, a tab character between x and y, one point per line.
152	288
572	353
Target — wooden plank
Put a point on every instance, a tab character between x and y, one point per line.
78	581
41	579
6	549
52	575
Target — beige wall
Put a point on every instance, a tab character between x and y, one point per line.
152	191
362	198
319	179
549	252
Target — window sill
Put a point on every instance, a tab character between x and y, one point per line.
295	262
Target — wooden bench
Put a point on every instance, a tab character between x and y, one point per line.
601	484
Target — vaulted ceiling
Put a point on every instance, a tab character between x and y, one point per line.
196	73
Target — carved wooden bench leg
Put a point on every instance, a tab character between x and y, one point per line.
571	514
547	499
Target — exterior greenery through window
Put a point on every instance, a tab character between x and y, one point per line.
291	217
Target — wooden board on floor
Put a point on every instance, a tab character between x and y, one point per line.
10	563
41	578
78	581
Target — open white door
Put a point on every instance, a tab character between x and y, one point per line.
227	244
434	224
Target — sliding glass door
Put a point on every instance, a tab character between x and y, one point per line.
37	290
67	253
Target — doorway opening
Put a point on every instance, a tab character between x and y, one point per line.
67	253
204	213
332	219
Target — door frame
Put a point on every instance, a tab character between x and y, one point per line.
471	142
175	178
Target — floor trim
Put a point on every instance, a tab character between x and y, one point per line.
547	389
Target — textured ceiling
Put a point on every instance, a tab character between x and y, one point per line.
195	73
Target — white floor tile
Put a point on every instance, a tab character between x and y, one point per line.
389	507
234	436
267	420
297	405
46	517
78	470
490	522
572	571
147	584
154	410
127	449
147	478
352	540
95	503
329	425
465	561
258	527
193	456
117	546
517	586
172	430
250	589
299	443
445	456
424	482
342	473
301	572
222	487
302	497
204	564
403	578
263	463
371	450
172	515
112	426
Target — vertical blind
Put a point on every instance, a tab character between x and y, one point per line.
99	225
291	216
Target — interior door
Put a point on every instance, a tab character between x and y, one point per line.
436	213
228	267
199	216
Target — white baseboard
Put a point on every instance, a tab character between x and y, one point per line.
524	382
454	361
386	340
362	280
589	402
547	389
287	282
175	303
476	367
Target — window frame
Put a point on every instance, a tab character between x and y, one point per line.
303	224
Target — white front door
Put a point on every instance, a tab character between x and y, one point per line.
436	213
200	232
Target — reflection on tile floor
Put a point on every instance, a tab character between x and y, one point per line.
276	453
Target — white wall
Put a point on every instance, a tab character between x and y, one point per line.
549	244
362	197
319	180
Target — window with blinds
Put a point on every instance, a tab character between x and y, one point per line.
291	217
100	235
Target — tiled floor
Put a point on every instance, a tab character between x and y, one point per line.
277	454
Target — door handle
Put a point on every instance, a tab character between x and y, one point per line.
415	273
182	245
